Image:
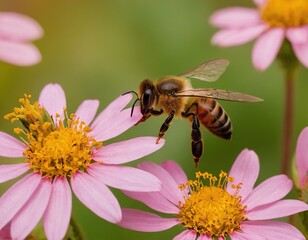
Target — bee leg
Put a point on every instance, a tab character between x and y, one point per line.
196	139
147	115
156	112
143	118
196	143
164	127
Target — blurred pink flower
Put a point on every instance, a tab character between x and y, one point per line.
270	23
16	32
59	148
248	210
302	158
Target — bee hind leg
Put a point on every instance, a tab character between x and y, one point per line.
196	139
164	127
196	143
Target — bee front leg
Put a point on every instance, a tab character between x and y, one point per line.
149	114
164	127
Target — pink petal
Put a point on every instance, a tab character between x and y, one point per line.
19	27
234	37
30	214
127	151
58	213
302	155
174	169
301	52
96	196
186	235
266	48
16	197
271	190
53	99
277	209
21	54
145	222
5	232
273	230
246	234
298	35
204	237
154	200
260	3
87	110
113	127
113	108
245	170
235	17
11	171
170	188
126	178
10	146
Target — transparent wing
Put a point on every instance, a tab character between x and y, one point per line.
209	71
218	94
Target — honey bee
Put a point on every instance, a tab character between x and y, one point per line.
174	96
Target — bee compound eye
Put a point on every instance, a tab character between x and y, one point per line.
147	97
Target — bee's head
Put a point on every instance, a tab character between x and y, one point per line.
147	96
147	93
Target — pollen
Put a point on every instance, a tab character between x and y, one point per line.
53	149
211	210
285	13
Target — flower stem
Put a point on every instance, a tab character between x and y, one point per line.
290	65
288	124
75	231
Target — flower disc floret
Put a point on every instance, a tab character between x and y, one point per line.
285	13
211	209
53	149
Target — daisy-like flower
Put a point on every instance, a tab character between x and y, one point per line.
227	206
16	32
64	152
270	23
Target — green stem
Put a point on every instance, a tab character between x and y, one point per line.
288	124
75	231
290	65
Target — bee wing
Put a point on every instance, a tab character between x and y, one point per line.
208	71
218	94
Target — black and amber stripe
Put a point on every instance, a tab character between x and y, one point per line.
212	116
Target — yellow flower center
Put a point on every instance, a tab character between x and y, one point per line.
211	209
53	149
285	13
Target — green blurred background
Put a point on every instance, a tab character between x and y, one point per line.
100	49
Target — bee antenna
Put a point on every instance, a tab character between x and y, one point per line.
130	92
138	99
131	113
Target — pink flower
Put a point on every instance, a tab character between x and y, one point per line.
302	158
16	32
63	152
229	206
270	23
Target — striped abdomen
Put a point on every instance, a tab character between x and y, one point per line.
214	118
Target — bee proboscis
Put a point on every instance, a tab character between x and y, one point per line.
174	96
